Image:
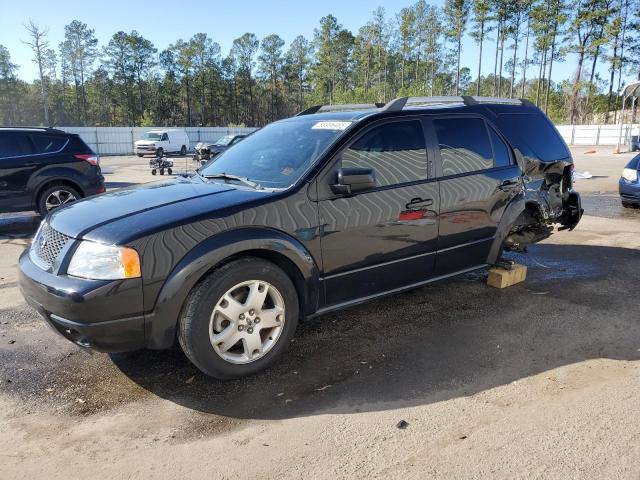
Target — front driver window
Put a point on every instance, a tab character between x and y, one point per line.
395	151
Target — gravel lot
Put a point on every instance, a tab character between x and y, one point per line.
538	380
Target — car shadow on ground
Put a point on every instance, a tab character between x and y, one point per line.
20	225
442	341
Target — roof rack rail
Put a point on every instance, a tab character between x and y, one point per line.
39	129
399	103
340	108
402	102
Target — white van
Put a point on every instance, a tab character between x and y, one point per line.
156	142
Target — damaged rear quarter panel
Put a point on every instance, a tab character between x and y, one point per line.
547	167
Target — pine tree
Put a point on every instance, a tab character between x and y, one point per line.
80	49
298	61
456	13
481	27
270	66
39	44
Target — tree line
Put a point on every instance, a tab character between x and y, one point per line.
416	51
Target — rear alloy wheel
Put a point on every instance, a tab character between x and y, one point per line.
56	196
239	319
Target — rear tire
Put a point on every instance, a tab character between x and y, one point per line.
169	171
160	152
140	155
201	323
628	205
54	196
153	171
183	151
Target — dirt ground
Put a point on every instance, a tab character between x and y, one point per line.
539	380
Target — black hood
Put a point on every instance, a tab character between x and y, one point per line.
116	216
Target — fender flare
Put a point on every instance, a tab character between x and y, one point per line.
47	176
509	217
161	322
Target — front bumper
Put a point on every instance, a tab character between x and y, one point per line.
144	150
98	314
629	192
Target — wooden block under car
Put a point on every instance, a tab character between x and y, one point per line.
501	278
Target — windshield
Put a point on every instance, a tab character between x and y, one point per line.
277	155
151	136
224	141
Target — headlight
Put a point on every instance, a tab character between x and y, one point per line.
630	174
104	262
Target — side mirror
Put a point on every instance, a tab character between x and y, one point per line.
352	180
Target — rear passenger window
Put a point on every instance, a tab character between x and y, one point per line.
48	143
396	151
535	133
500	150
464	145
14	145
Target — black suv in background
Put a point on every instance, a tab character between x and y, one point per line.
43	168
314	213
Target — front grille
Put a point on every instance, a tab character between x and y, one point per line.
48	244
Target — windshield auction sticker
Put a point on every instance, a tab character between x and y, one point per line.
334	125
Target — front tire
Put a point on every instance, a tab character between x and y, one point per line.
239	319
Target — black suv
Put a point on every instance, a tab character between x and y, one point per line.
43	168
314	213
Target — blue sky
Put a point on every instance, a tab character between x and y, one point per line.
164	21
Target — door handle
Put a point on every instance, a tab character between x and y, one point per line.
507	185
419	202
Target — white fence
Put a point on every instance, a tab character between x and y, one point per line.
597	134
119	140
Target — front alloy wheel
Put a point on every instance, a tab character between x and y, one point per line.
247	321
239	319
